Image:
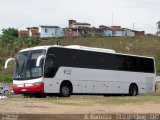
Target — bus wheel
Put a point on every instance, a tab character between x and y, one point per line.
65	90
25	95
30	96
133	90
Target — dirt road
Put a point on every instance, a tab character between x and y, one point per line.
79	105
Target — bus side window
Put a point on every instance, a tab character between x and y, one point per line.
49	67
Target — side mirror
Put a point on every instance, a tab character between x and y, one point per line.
39	59
7	61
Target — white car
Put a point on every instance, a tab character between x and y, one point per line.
3	97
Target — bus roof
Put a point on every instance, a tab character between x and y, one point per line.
36	48
72	47
90	48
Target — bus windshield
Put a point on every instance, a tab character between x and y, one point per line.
26	65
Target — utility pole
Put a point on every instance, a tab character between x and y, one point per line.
112	18
133	25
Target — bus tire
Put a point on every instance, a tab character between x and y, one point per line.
65	90
40	95
133	90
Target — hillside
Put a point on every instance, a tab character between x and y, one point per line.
133	45
147	45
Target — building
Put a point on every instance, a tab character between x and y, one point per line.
105	30
128	32
77	25
117	31
78	28
112	31
30	32
42	31
50	31
158	33
33	32
139	33
69	32
71	22
23	33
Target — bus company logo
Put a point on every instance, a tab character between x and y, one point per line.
68	71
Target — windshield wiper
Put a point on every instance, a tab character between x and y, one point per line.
20	70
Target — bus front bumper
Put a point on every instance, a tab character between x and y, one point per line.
38	88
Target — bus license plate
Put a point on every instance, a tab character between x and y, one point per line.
23	90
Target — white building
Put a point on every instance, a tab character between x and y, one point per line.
129	32
118	33
76	25
80	25
50	31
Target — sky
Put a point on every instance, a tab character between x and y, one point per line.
20	14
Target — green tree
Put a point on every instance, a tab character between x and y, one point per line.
157	58
8	37
10	32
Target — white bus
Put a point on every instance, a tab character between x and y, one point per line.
66	70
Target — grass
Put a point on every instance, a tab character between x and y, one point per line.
88	100
144	45
114	100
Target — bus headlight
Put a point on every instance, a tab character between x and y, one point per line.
37	83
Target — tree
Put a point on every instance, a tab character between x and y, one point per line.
157	58
10	32
158	26
8	36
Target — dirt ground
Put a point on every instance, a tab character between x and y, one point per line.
77	105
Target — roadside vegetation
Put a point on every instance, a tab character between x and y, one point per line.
10	44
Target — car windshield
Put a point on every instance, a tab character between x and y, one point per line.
26	65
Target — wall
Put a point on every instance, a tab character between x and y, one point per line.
107	32
129	33
139	33
51	32
33	32
23	33
118	33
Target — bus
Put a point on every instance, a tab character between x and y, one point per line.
73	69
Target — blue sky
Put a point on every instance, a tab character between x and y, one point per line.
25	13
